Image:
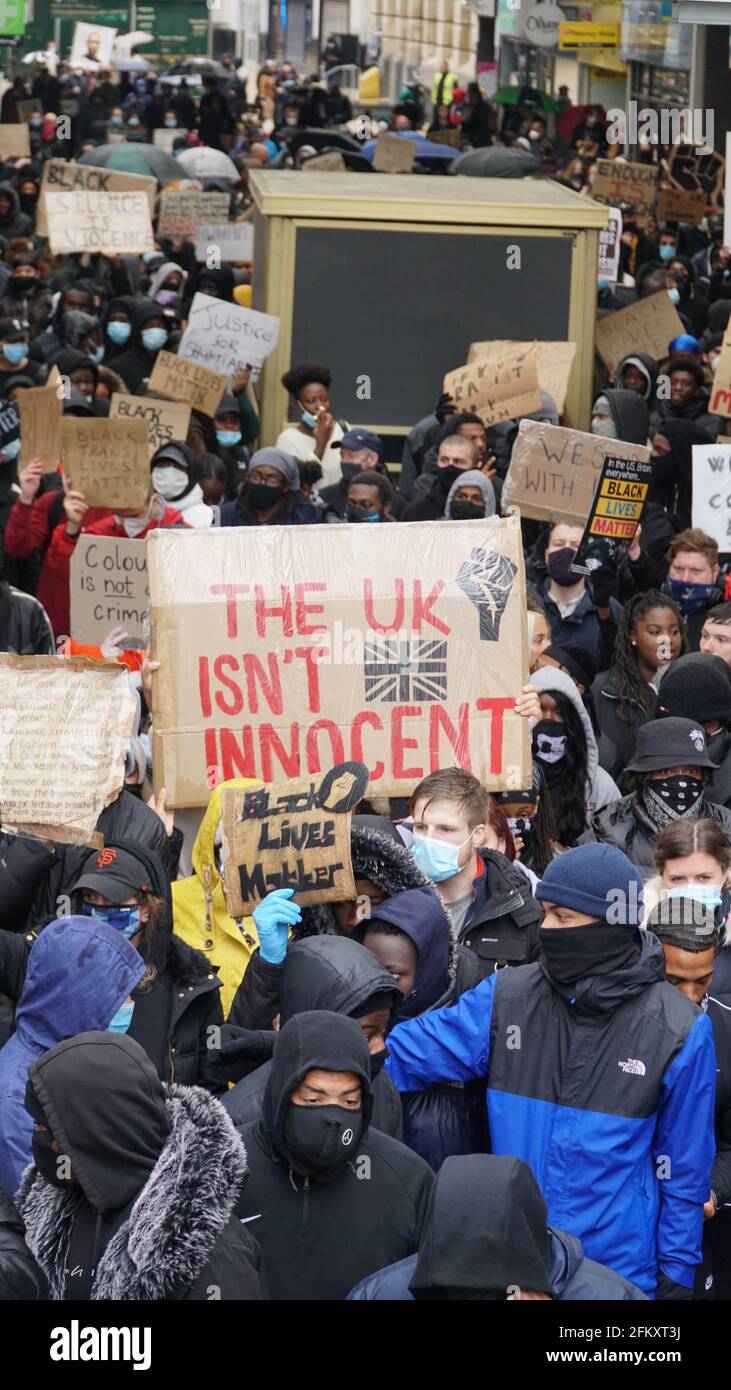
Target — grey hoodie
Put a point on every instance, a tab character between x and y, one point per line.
600	788
157	280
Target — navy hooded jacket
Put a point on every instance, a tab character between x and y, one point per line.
608	1096
79	973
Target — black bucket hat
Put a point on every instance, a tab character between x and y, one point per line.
670	743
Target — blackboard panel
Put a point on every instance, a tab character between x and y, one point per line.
403	307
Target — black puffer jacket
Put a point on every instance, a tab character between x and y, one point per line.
330	973
618	733
35	882
20	1277
502	926
627	825
177	1002
24	626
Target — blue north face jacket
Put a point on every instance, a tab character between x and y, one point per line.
79	973
608	1096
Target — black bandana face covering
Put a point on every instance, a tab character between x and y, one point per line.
575	953
549	742
673	798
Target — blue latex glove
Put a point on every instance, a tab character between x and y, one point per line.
273	918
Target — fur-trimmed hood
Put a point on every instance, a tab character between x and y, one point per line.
168	1236
379	855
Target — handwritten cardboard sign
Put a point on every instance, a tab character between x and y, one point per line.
610	247
291	835
109	588
328	162
649	325
286	651
712	491
234	241
65	726
680	205
14	141
182	380
699	173
393	155
554	361
62	177
615	514
40	426
182	212
165	420
116	223
554	471
721	388
107	460
501	385
617	182
225	337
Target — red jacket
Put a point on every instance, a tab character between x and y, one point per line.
55	575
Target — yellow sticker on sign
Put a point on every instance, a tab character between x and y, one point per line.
588	34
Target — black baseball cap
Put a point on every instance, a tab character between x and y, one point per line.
115	873
360	439
13	330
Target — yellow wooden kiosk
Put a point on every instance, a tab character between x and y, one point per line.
387	279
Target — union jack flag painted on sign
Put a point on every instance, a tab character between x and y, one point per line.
400	669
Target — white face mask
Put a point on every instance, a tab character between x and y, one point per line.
170	482
604	425
133	525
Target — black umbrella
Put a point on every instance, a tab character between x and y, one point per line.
133	157
497	162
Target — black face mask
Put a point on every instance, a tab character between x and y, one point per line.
549	747
21	285
47	1160
350	471
355	513
683	285
262	496
679	795
575	953
320	1139
468	511
377	1062
445	478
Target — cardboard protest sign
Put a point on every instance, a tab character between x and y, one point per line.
181	212
500	385
712	491
107	460
618	182
286	650
615	513
225	337
62	177
234	241
697	173
554	471
554	361
291	835
40	426
721	388
446	137
649	325
9	424
393	155
113	222
610	246
181	380
109	588
328	162
680	205
14	141
165	420
65	726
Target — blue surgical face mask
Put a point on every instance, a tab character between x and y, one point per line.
124	919
15	352
709	894
438	859
118	332
133	122
97	355
228	438
122	1019
154	338
666	253
674	295
11	450
116	120
309	419
690	598
171	125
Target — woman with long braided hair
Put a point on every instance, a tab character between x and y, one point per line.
650	634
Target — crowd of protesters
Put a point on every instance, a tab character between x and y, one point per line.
503	1070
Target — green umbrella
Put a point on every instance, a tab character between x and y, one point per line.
135	157
513	96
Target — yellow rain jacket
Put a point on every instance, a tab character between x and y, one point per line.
200	916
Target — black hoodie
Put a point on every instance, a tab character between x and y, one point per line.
631	415
136	363
322	972
649	368
319	1238
157	1173
15	223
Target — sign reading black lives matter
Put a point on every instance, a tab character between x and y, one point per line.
615	514
291	835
